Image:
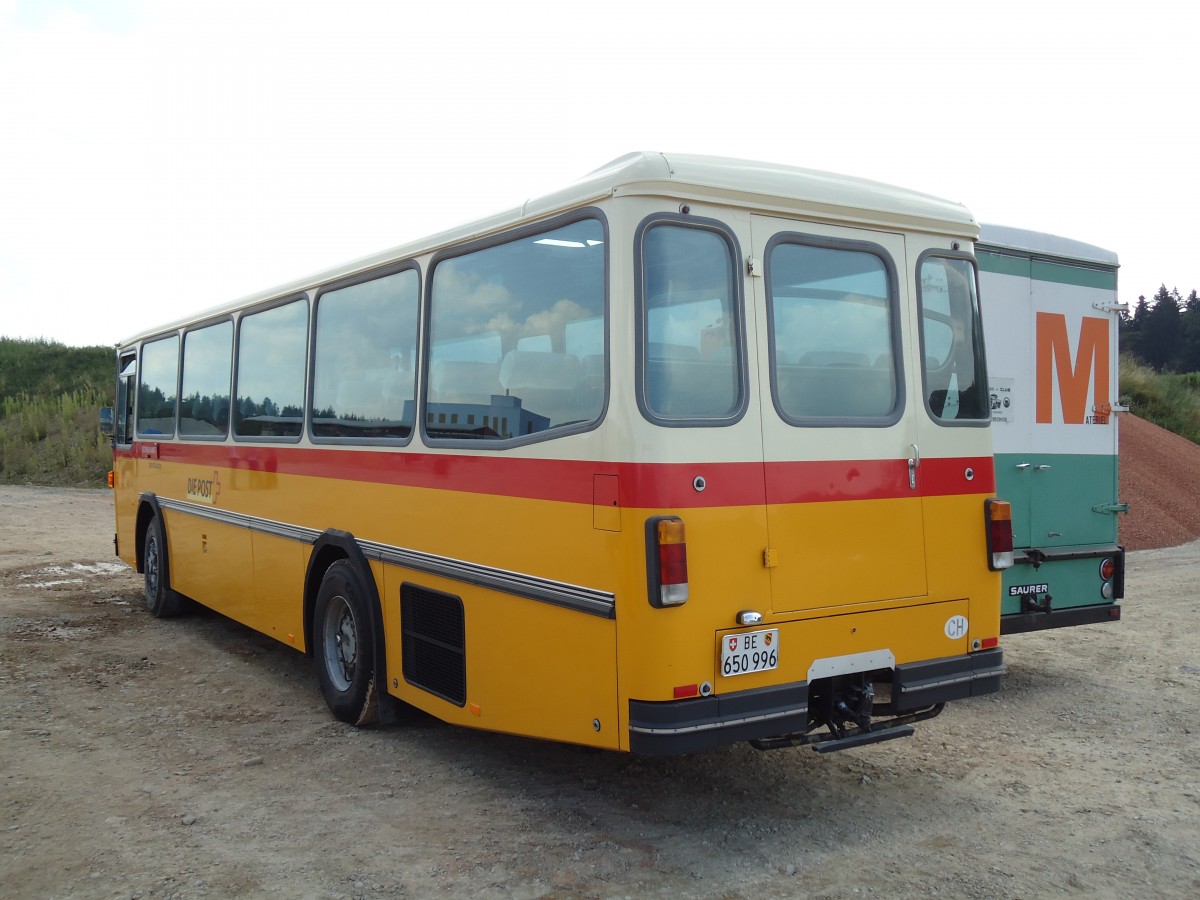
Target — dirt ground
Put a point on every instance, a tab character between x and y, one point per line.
192	758
1160	480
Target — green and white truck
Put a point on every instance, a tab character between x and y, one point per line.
1050	318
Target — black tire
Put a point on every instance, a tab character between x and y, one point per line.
161	601
344	645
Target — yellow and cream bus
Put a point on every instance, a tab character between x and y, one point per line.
691	452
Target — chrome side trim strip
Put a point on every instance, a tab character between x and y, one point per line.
932	684
723	723
240	520
531	587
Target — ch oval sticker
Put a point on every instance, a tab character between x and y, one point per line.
956	627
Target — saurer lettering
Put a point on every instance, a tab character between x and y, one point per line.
1020	590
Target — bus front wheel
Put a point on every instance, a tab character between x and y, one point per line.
160	599
345	645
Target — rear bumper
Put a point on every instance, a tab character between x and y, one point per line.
685	726
952	678
1060	618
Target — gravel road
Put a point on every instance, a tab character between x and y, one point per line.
193	758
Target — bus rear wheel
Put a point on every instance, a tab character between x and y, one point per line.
161	601
345	645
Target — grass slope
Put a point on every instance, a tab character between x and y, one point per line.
50	398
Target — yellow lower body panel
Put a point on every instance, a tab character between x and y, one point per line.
902	635
531	668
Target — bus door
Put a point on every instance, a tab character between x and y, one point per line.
840	438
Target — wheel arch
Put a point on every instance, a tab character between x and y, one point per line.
148	508
330	547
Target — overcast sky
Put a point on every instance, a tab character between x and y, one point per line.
160	157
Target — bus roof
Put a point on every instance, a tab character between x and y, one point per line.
766	187
1037	243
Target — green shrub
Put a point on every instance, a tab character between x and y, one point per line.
50	399
1169	400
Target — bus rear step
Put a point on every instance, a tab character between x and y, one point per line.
831	741
862	739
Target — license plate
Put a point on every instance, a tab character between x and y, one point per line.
750	651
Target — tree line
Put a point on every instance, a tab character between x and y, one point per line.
1164	332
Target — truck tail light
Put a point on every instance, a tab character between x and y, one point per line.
998	521
1112	576
666	552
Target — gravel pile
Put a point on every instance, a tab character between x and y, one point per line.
1160	480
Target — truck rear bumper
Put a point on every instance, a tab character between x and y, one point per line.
1057	587
1060	618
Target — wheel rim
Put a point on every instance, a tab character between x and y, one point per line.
151	566
340	643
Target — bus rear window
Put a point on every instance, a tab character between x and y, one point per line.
952	341
691	369
833	334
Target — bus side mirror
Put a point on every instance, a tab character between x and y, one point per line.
106	420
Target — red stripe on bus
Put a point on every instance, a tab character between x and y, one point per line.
642	485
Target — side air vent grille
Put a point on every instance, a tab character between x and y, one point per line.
434	645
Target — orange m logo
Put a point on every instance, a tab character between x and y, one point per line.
1054	351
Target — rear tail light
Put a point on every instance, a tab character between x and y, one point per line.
998	520
1108	570
666	551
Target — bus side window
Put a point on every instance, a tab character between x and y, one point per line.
272	346
510	326
207	368
126	391
158	387
364	386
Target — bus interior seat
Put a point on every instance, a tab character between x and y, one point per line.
834	358
359	397
545	382
722	354
460	381
655	350
837	390
590	393
397	387
591	370
690	387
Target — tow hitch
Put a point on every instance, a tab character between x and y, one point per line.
844	705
